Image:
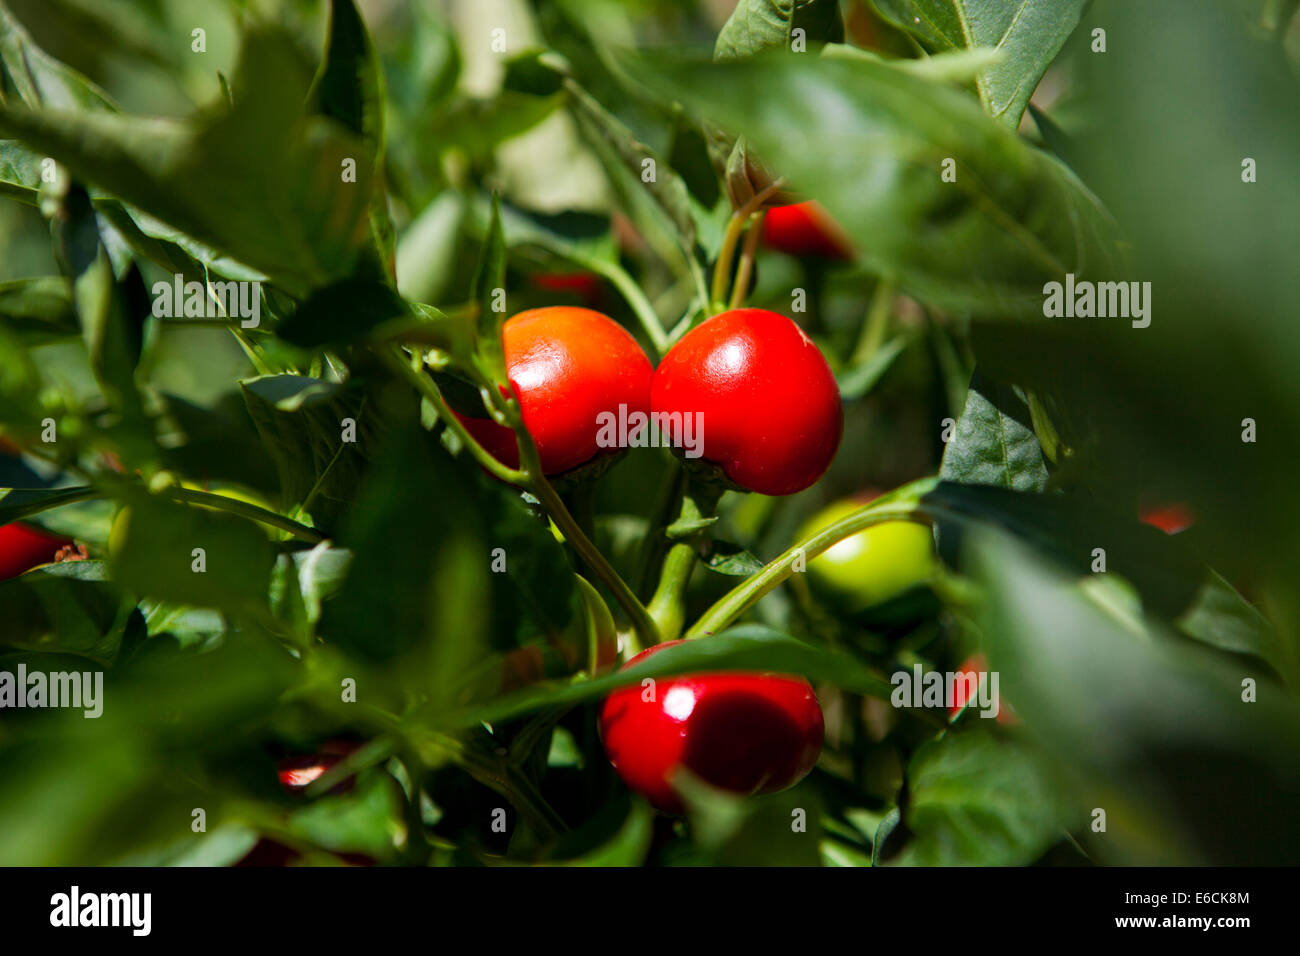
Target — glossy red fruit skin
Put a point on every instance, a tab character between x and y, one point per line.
23	547
747	733
566	366
585	285
771	413
805	230
297	773
1170	519
975	664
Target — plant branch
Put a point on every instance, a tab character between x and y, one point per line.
746	268
245	510
899	505
429	389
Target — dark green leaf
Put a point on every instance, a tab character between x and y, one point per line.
757	25
1156	732
154	554
38	310
977	799
994	441
301	421
341	313
731	559
65	608
1028	34
282	207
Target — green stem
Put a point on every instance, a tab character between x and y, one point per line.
668	606
645	628
877	324
735	226
245	510
637	301
746	268
899	505
429	389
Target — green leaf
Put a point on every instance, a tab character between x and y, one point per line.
301	422
731	559
368	820
154	554
65	608
1028	34
1222	618
41	80
977	799
1069	527
302	580
38	310
746	648
627	847
1013	219
994	441
350	86
16	503
477	126
757	25
652	194
281	207
861	379
342	312
488	292
350	89
1157	732
428	248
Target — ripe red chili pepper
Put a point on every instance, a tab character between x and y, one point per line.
566	366
747	733
805	230
766	402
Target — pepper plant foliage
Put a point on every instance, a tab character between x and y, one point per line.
371	574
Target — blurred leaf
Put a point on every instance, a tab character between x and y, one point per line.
368	820
302	580
1026	33
861	379
350	89
651	193
976	799
39	79
629	844
1222	618
282	206
478	126
427	249
190	626
733	830
349	86
38	310
341	313
1068	527
1013	218
65	608
153	554
1157	733
994	441
18	503
757	25
301	421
